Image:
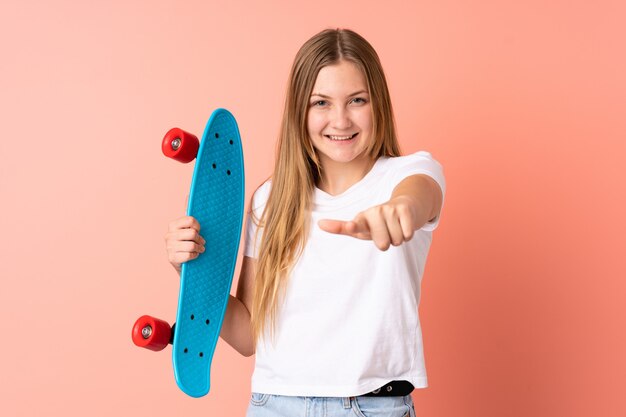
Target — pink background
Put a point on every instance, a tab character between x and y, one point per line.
523	103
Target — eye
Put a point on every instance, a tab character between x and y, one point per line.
319	103
359	100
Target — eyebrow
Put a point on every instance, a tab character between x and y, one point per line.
351	95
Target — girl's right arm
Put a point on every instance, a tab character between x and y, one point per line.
184	243
236	330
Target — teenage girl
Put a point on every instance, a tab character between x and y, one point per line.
335	247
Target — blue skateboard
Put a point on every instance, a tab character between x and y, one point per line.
216	200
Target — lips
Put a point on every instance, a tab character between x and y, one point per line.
341	138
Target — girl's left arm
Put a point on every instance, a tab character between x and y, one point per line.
424	195
414	202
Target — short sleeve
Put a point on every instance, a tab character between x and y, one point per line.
420	162
252	240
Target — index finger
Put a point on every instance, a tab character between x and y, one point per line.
354	228
337	227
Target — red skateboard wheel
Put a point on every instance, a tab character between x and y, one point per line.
180	145
151	333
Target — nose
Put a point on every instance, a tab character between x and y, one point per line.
341	118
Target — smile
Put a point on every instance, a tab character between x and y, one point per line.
331	137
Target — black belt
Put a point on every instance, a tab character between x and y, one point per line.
392	389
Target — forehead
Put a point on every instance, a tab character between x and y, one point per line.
340	79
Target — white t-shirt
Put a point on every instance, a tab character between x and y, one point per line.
349	323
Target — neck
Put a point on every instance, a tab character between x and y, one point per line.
338	177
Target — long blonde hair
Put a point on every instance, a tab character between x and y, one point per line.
285	219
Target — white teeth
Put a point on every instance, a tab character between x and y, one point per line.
341	137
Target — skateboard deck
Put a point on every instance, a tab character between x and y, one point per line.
216	200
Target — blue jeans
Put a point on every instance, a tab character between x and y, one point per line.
267	405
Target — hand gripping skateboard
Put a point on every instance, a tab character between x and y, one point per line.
216	200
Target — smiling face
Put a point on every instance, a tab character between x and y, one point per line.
339	119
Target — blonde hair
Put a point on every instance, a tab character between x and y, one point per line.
285	219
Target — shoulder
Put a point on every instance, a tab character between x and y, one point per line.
421	162
419	158
261	195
